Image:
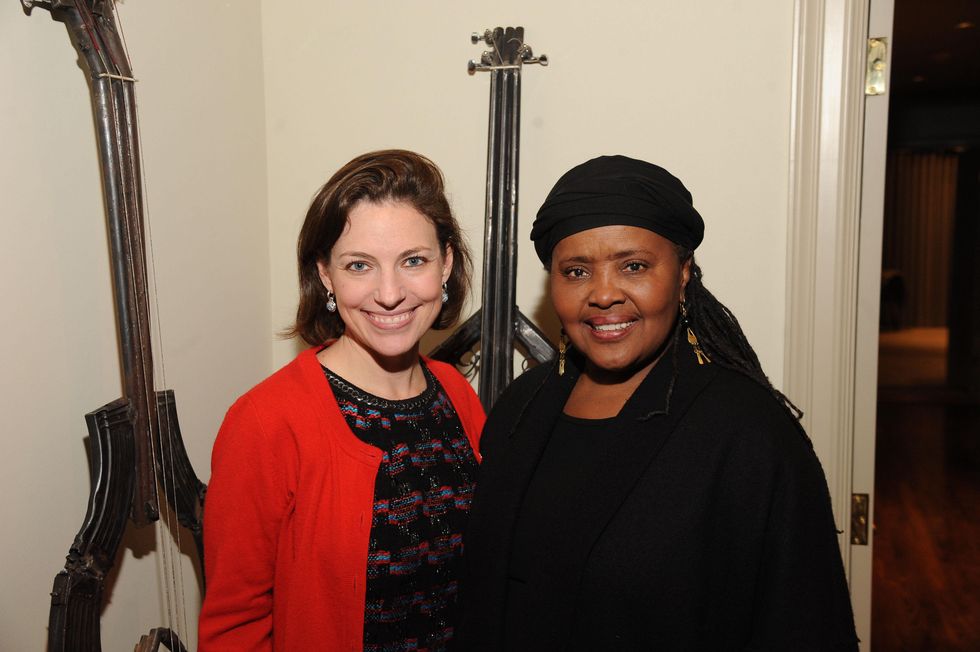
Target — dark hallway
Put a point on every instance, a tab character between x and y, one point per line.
926	555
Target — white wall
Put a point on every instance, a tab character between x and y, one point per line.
201	103
247	108
702	88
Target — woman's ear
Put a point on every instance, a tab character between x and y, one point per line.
685	275
447	264
323	269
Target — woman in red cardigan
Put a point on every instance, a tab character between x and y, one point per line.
341	484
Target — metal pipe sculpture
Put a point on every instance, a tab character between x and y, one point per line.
136	451
499	322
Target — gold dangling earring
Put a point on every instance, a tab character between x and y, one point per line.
692	339
562	348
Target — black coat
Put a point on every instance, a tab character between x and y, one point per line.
710	528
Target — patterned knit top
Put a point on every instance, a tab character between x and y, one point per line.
421	502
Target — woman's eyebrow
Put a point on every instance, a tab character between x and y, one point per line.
412	251
575	259
355	254
626	253
631	252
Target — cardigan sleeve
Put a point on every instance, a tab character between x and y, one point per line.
246	504
802	600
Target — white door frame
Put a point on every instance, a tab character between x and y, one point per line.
833	256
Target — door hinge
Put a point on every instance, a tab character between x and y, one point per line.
859	519
876	75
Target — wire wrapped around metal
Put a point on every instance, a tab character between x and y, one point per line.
135	450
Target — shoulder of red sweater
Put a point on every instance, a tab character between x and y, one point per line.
292	377
443	370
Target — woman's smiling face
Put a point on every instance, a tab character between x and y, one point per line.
386	271
616	290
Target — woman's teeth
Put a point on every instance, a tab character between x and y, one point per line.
392	319
613	327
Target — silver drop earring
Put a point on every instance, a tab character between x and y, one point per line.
445	293
331	304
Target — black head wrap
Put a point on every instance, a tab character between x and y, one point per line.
616	190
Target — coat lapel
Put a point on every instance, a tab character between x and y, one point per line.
521	426
642	428
504	481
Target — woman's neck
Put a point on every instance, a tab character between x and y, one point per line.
595	398
393	378
600	393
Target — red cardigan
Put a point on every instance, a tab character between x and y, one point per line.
288	515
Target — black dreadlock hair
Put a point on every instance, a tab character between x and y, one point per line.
720	335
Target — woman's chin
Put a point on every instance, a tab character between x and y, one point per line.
392	348
388	345
618	366
600	367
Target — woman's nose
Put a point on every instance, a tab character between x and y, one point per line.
605	291
390	291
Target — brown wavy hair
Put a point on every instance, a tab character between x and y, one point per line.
387	175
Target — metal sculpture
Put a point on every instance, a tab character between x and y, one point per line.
499	323
136	451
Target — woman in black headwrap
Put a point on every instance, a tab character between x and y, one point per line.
650	489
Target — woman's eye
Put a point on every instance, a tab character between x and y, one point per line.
414	261
357	266
575	272
635	266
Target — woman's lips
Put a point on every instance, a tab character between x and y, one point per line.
392	321
610	329
617	326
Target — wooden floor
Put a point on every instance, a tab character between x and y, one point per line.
926	577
